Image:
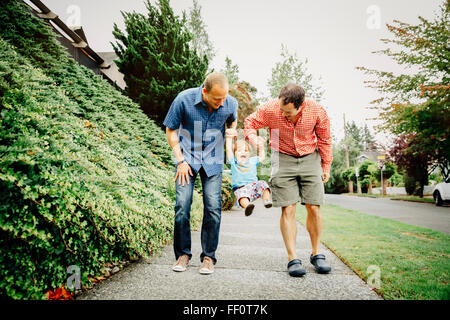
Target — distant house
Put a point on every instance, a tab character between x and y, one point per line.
367	155
74	39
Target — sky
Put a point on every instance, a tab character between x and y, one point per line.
334	35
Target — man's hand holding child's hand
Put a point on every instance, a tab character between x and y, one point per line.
230	133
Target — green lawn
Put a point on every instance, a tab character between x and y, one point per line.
414	262
393	197
412	198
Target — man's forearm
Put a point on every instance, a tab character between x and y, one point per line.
172	138
326	154
250	133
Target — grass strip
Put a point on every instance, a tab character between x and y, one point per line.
414	199
413	261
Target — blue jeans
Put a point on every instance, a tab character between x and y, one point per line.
212	209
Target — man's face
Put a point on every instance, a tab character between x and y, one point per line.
289	110
215	97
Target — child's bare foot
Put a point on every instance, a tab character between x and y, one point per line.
249	209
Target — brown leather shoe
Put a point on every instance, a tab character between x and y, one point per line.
181	264
207	266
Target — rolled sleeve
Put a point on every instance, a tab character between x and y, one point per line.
174	115
324	141
257	120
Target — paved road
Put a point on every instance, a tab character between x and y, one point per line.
419	214
251	265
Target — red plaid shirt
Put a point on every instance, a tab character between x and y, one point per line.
311	130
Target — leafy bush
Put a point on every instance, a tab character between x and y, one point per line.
396	180
349	174
410	184
228	197
436	177
86	177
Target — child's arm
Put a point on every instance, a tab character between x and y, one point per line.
229	147
261	150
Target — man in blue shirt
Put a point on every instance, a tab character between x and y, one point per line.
195	129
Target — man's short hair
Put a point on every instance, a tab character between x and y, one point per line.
216	78
292	93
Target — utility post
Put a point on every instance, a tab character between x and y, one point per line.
382	167
358	183
347	160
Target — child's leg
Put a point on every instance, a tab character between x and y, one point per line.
262	185
244	202
244	195
266	194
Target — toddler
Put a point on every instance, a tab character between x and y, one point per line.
245	182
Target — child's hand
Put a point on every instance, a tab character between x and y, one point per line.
260	142
230	133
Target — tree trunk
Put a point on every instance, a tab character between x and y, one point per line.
370	187
358	187
350	187
384	186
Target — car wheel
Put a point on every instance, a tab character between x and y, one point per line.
437	198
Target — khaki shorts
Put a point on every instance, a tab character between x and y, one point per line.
296	179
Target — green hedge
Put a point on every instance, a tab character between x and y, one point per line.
85	177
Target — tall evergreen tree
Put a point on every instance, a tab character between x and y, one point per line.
231	71
291	68
358	139
156	58
200	40
368	139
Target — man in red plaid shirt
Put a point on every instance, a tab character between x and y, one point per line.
301	158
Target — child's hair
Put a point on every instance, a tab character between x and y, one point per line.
247	145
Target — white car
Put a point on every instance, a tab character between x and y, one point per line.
441	193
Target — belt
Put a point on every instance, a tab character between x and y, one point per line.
297	157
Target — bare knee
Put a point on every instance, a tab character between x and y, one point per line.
288	211
313	209
244	202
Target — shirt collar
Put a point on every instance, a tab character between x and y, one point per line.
198	97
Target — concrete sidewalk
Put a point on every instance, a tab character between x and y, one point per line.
252	264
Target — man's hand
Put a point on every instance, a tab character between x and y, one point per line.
183	171
326	176
230	133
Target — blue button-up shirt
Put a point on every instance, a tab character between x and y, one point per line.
201	134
